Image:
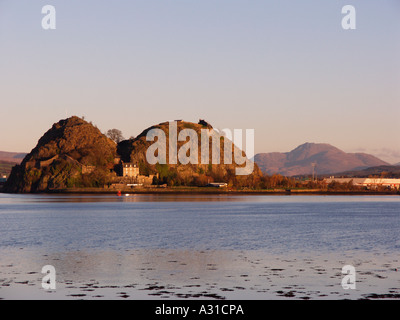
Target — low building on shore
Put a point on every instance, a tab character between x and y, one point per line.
369	183
128	175
217	184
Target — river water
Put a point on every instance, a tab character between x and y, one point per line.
220	236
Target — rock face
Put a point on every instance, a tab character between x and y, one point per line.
328	159
73	153
187	174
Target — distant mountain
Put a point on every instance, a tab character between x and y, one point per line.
135	150
5	168
13	157
327	159
8	160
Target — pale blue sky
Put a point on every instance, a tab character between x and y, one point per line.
285	68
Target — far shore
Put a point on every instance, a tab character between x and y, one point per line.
212	190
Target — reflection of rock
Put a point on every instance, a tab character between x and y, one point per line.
382	296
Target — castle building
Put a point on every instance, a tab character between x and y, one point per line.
130	169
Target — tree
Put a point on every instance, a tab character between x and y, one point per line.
115	135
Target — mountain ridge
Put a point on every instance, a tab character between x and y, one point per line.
386	171
14	157
327	159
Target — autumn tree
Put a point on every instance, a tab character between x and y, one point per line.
115	135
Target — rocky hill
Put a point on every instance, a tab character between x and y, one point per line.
134	150
72	153
328	159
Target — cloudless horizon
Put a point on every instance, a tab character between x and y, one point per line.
286	69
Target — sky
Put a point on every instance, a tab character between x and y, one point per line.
286	69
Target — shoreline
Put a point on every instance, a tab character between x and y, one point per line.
207	190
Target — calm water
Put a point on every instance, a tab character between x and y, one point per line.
276	224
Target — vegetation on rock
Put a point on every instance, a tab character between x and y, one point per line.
134	150
75	154
60	157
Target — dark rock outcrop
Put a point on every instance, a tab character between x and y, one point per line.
134	150
73	153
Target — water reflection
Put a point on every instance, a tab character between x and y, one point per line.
124	197
216	274
131	197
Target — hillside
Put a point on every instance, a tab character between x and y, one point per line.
5	168
134	150
11	157
328	159
8	160
75	154
72	153
379	171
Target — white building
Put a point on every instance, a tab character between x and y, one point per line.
370	183
217	184
130	170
